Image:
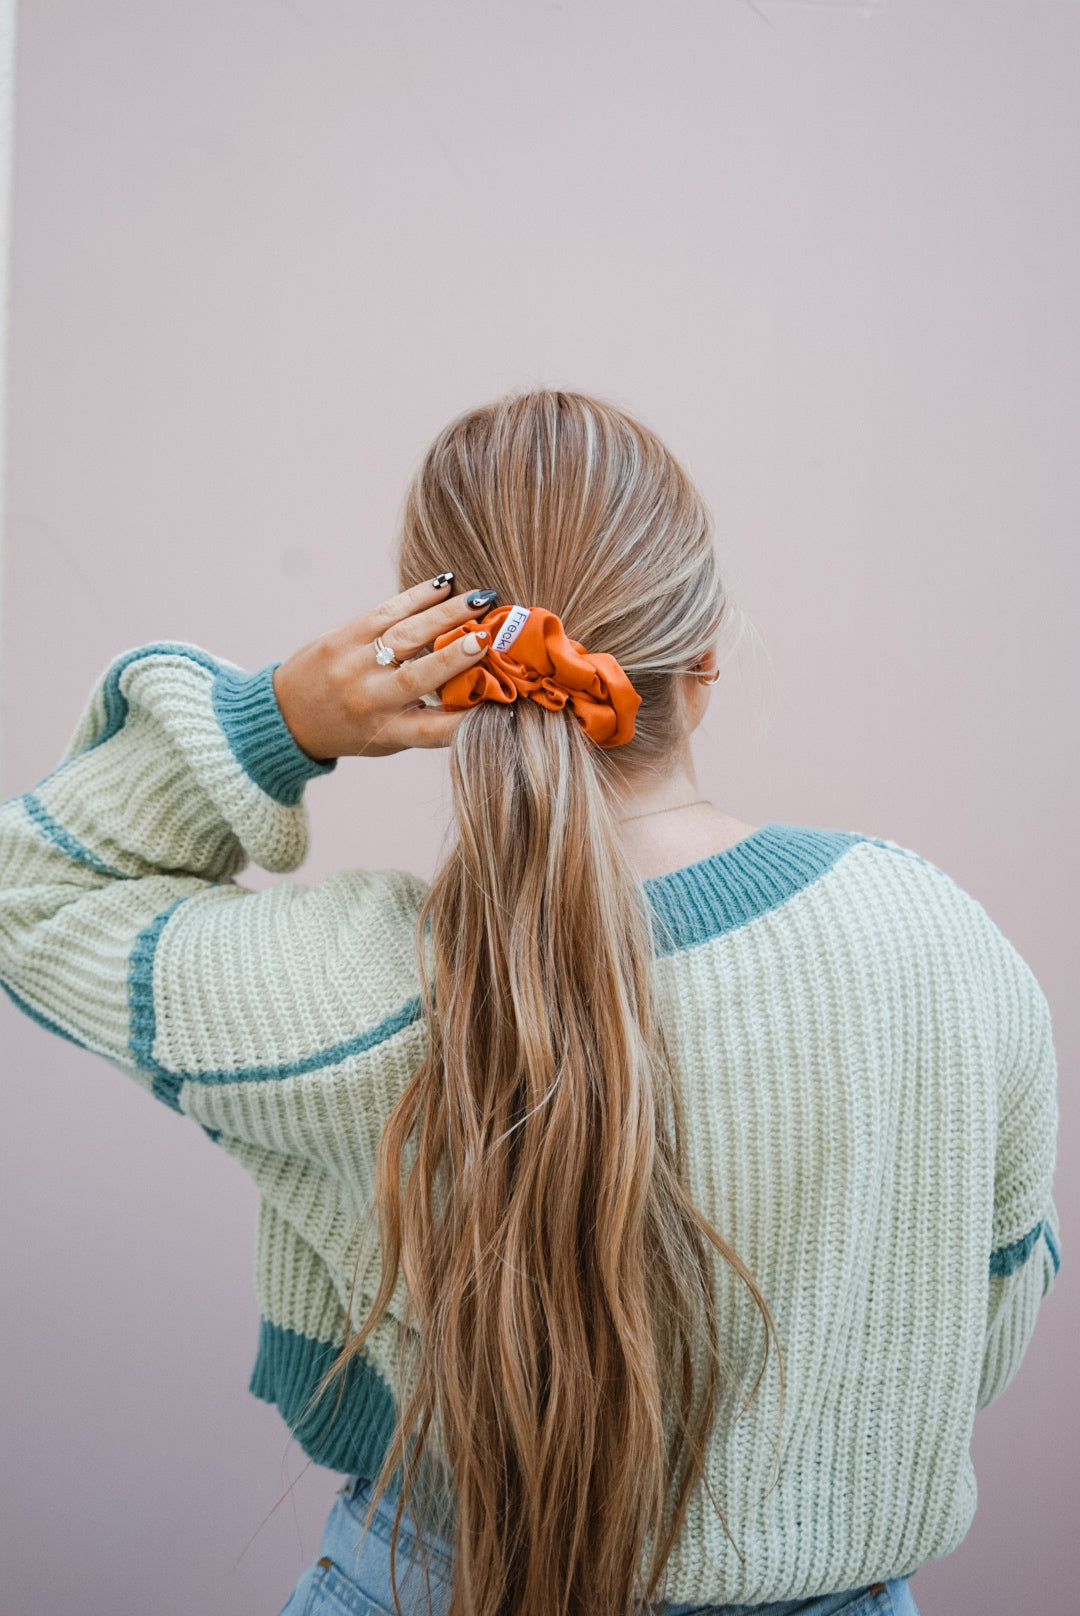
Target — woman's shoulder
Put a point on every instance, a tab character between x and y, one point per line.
909	882
783	869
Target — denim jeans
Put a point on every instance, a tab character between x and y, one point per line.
343	1582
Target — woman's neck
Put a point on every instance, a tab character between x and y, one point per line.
664	823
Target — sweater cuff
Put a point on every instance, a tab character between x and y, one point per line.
247	710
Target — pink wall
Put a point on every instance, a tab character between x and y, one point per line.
262	250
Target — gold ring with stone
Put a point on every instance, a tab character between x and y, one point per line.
383	654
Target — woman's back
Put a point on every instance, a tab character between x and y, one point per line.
868	1072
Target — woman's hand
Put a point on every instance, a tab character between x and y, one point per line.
339	702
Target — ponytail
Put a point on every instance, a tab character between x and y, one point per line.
529	1188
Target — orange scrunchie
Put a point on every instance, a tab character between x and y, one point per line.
548	667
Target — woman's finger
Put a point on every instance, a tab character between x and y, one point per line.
411	634
427	727
424	674
391	611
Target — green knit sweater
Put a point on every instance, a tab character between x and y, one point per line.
867	1067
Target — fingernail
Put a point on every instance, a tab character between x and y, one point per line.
482	597
477	641
442	580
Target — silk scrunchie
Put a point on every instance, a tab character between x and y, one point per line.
543	663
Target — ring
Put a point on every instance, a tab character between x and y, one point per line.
383	654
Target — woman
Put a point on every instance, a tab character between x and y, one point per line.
646	1207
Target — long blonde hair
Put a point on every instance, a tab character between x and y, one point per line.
567	1362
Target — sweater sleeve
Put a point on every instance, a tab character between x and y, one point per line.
1024	1256
122	926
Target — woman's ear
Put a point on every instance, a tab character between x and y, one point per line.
706	669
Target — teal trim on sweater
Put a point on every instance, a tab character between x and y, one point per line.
54	832
396	1022
262	743
353	1438
116	703
1007	1259
719	893
142	1029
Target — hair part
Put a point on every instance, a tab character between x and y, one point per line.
566	1364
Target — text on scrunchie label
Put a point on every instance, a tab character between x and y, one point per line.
513	624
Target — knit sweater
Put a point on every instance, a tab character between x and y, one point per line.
866	1064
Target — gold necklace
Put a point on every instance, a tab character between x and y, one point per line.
697	801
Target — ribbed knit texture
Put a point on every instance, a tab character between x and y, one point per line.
867	1066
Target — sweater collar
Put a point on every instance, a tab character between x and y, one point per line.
700	901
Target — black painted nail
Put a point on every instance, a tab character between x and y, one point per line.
442	580
482	597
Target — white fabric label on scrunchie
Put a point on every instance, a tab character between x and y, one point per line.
513	624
